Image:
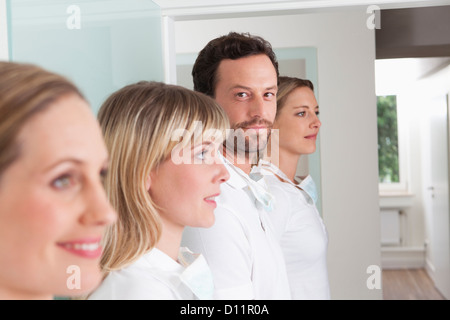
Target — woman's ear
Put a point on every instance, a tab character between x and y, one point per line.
148	182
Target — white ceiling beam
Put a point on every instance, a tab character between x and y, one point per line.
198	9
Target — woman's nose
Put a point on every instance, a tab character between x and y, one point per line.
99	211
223	174
316	122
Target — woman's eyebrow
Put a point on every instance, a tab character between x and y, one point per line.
76	161
204	143
305	106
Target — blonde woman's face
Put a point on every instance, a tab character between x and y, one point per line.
53	206
298	123
186	191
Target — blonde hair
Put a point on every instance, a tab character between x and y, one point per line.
25	90
138	122
286	85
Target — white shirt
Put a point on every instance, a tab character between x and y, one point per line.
156	276
241	249
302	235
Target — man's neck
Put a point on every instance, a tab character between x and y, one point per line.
241	161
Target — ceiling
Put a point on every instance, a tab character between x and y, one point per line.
409	28
198	8
414	32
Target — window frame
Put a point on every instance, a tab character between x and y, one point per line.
401	187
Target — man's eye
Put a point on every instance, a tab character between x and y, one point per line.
242	95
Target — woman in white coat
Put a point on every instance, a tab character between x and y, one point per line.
164	175
296	220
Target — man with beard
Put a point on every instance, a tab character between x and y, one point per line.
240	72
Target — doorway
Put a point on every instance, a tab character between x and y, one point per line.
413	41
421	234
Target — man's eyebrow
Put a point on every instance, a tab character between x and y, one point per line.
238	86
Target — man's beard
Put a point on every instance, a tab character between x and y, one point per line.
248	142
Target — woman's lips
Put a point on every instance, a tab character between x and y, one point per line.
86	248
212	200
311	137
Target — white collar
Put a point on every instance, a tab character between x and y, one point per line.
191	269
237	176
239	179
269	166
305	184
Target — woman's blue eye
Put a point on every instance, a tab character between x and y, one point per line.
202	154
62	182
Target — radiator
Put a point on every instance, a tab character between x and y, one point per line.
390	227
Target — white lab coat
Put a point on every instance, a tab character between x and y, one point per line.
302	235
156	276
241	248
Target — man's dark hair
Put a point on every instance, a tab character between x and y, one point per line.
232	46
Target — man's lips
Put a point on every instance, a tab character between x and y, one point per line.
87	248
255	125
257	128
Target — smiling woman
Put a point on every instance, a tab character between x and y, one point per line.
53	206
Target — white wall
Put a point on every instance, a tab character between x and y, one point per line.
3	32
348	138
431	91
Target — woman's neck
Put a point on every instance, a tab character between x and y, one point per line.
288	164
170	240
12	294
287	161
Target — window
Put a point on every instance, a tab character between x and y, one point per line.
388	149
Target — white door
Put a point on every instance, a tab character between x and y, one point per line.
438	192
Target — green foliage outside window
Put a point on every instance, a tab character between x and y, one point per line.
387	139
